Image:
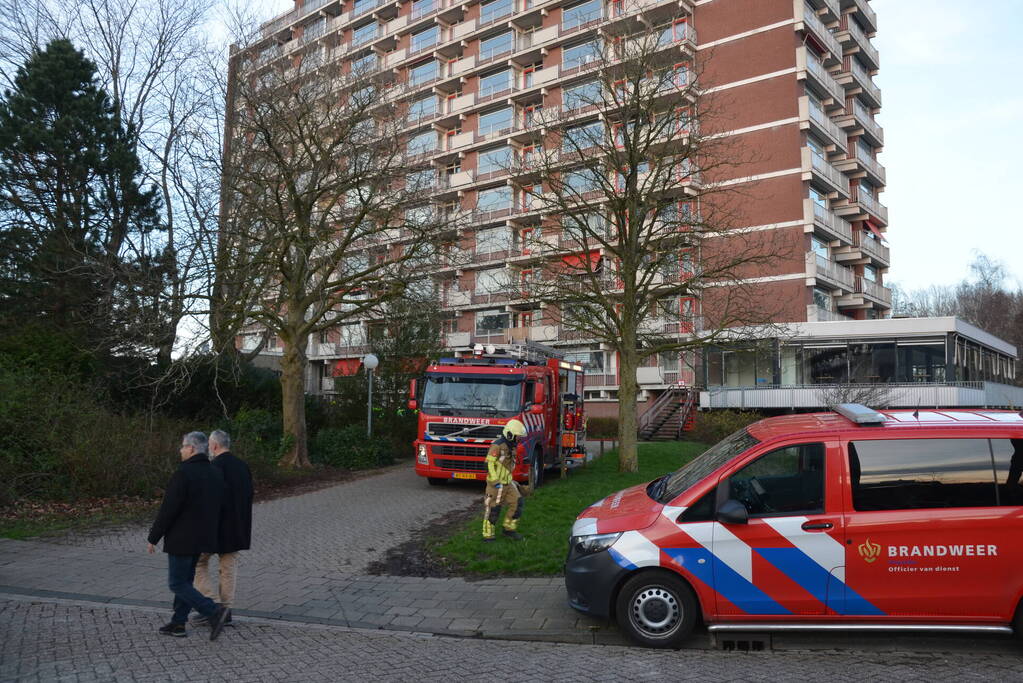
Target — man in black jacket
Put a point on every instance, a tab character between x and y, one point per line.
187	523
235	531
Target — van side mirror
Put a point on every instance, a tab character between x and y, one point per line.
733	512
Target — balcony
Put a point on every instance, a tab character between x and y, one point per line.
815	166
534	333
867	13
872	130
819	75
816	314
875	171
875	250
873	207
826	221
453	340
862	83
821	123
854	35
874	291
813	25
829	272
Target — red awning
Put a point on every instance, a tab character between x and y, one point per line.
872	227
578	261
346	367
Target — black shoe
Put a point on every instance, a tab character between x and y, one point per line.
514	535
172	629
218	620
488	539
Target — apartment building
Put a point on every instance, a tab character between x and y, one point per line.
798	79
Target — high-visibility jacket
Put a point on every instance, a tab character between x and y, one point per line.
500	462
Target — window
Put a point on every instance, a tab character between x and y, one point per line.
864	150
363	6
789	480
491	322
819	199
819	247
582	13
495	9
501	44
495	121
423	107
912	474
870	273
365	64
364	34
421	7
494	199
423	72
494	281
582	180
582	137
1008	457
581	95
822	298
578	55
426	38
495	82
493	240
494	160
419	216
581	226
420	180
422	143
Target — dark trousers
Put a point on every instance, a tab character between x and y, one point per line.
180	574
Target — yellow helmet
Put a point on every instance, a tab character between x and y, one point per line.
514	429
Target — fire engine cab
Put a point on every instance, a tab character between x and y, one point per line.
465	401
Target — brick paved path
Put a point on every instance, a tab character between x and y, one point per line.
43	640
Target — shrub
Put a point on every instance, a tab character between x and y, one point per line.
712	426
348	448
602	427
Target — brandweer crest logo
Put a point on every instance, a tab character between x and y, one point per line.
869	551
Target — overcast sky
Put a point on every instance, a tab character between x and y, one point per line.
953	117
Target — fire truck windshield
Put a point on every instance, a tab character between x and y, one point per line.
473	395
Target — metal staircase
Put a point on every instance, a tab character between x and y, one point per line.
671	415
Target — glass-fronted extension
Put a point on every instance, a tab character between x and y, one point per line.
926	361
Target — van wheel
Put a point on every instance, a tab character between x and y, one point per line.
437	481
656	609
536	470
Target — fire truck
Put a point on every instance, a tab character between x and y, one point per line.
465	401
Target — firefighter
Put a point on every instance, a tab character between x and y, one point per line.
501	488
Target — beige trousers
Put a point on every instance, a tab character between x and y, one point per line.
228	567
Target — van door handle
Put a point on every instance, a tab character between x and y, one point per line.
814	526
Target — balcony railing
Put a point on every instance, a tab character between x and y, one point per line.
817	27
872	206
873	248
830	128
866	82
823	76
867	49
820	267
871	165
867	12
867	122
874	290
836	226
824	168
817	314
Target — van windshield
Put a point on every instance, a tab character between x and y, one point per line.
671	485
473	395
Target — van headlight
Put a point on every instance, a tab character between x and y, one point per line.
423	460
595	543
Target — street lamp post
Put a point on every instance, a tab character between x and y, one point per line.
371	362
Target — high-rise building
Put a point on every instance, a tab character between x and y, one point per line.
797	76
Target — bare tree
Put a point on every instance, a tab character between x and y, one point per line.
325	215
639	247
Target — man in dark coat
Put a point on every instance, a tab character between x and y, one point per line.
187	523
235	530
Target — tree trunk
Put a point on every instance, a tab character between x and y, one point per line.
628	458
293	404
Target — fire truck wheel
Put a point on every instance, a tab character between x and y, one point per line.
536	470
437	481
656	609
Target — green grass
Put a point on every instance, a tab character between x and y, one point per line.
549	513
47	523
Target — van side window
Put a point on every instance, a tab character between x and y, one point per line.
785	481
1008	457
702	510
530	391
910	474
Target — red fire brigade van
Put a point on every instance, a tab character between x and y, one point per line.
856	519
464	403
